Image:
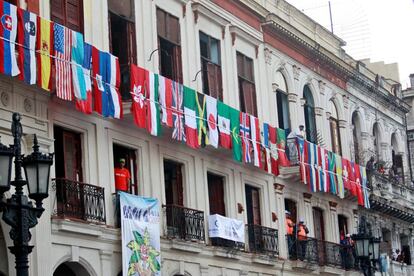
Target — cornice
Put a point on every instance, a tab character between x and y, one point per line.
211	15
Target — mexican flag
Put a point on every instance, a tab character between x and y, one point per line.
190	117
153	112
223	122
235	131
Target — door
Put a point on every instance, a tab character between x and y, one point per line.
253	205
318	226
131	164
173	179
216	194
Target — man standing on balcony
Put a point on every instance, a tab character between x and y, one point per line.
289	232
302	233
122	183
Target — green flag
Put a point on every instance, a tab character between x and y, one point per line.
235	134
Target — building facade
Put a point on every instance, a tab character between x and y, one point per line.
263	57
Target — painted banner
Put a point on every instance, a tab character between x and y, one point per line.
225	228
140	222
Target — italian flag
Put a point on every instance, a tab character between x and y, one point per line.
190	117
223	123
153	112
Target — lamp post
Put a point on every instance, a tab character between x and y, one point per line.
18	211
367	247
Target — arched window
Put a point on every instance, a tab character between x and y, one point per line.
356	135
282	101
334	126
309	110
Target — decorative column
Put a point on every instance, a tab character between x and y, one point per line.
333	223
385	152
293	99
106	262
344	136
281	222
308	216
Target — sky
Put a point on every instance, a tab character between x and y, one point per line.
382	30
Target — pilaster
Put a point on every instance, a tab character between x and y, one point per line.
307	216
280	207
106	257
333	227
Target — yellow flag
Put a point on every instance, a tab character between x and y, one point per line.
45	46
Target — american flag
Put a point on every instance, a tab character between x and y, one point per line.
245	136
63	45
178	112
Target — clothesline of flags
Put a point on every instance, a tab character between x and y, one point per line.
196	119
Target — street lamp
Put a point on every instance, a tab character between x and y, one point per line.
18	211
367	247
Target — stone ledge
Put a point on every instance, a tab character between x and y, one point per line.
220	252
188	246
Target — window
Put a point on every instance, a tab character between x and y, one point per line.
318	224
173	179
211	66
282	102
122	40
169	46
247	92
309	110
130	156
216	194
334	126
68	13
253	205
377	143
68	150
343	226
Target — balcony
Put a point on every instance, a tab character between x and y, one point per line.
321	253
184	223
79	201
262	239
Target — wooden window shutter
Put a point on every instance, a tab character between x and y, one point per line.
214	81
173	29
178	73
256	207
248	97
132	49
179	183
57	11
72	156
74	15
161	23
216	195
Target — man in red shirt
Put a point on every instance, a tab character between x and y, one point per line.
122	177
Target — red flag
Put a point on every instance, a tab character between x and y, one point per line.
165	87
139	103
255	134
274	153
358	183
345	174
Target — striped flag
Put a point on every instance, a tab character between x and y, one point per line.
63	47
78	77
364	186
245	136
255	134
302	153
113	76
178	112
27	34
153	112
86	105
8	32
45	51
338	163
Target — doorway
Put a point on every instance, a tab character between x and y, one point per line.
130	156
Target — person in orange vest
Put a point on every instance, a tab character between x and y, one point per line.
302	234
289	231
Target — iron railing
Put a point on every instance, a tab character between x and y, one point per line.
262	239
184	223
231	245
320	252
79	200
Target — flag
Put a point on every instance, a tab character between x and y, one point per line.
139	103
311	161
321	169
268	161
178	112
332	173
27	35
274	151
201	119
324	176
44	47
165	87
302	153
352	178
8	33
211	106
255	134
78	78
345	174
223	122
153	110
235	134
63	47
245	136
265	135
364	186
190	117
281	145
338	162
99	72
86	105
358	184
113	80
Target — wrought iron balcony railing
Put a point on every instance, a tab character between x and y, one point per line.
231	245
184	223
79	200
320	252
262	239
